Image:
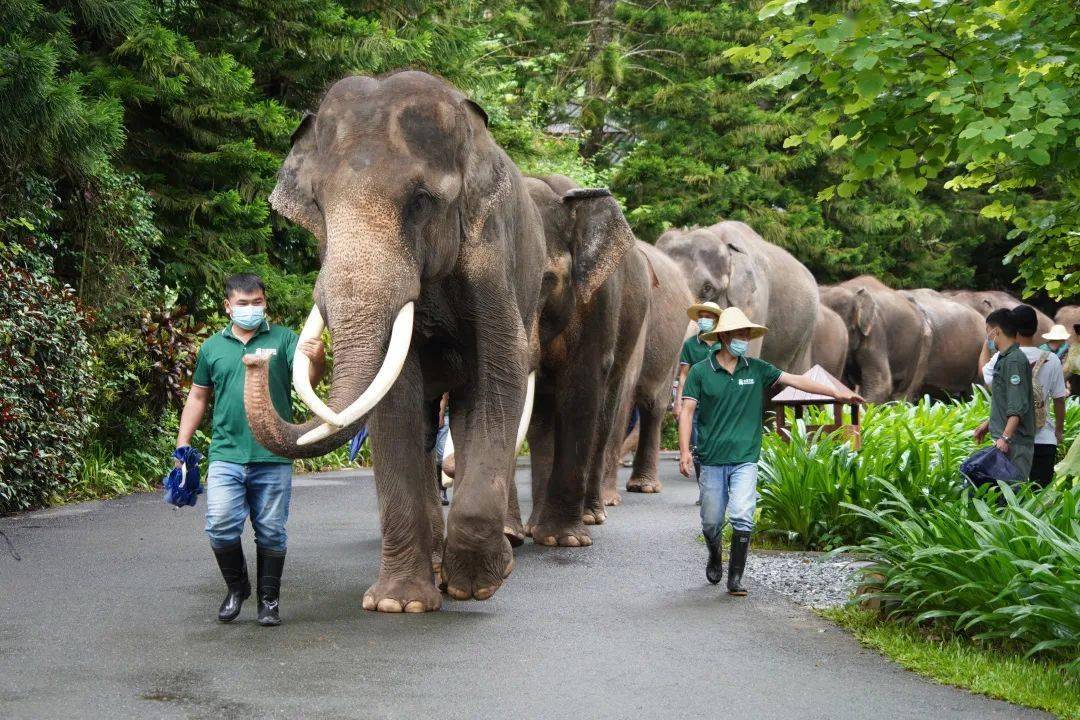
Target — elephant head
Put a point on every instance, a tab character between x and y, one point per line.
390	175
706	261
587	237
858	309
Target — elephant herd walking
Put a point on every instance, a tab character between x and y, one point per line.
445	270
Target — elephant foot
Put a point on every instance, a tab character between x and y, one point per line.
411	595
594	512
562	534
644	485
476	574
514	532
612	498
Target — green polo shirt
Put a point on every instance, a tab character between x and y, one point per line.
694	350
730	408
220	366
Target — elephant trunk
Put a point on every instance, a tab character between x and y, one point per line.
369	307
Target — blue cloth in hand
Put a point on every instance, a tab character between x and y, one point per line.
356	443
182	483
987	466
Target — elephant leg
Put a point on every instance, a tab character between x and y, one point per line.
614	419
576	427
541	457
403	481
645	477
512	527
477	555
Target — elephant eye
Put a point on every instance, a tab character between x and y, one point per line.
420	204
707	290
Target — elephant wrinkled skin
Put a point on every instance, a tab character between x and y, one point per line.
957	335
731	265
889	338
412	201
830	349
985	302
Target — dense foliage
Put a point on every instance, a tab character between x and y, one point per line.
1007	572
46	386
808	485
978	95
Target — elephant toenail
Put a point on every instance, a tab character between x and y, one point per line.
388	605
415	607
484	593
458	593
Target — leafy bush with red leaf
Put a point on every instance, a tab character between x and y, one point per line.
46	384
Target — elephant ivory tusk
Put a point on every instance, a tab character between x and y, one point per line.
526	412
301	369
394	360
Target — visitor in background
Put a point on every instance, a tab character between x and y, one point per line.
694	350
1048	389
726	391
244	478
1056	341
443	430
1072	362
1012	412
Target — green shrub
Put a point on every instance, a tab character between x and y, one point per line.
45	384
1004	568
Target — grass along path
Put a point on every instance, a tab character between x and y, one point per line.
995	673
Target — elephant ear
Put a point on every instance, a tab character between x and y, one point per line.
600	238
293	196
865	311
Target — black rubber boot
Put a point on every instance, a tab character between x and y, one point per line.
714	571
740	546
438	484
270	565
234	570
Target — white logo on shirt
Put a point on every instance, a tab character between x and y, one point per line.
746	381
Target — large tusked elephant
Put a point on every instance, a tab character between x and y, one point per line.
731	265
429	246
985	302
957	334
830	349
889	338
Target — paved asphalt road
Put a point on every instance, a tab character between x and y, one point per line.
109	613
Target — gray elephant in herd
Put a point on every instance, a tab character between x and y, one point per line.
430	247
957	334
731	265
985	302
889	338
593	333
1069	316
830	349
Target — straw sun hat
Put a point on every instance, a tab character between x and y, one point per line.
694	312
733	319
1058	332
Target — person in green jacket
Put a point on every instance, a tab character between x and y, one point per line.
1012	410
245	480
695	349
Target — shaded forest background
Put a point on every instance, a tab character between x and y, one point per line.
139	140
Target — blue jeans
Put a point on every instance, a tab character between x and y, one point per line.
731	489
235	492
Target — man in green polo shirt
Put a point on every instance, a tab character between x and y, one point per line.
1012	409
245	479
727	391
694	350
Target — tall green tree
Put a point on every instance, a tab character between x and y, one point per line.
977	95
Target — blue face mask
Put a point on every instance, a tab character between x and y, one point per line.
991	345
706	324
738	348
249	317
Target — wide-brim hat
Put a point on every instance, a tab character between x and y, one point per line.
1058	332
732	319
694	312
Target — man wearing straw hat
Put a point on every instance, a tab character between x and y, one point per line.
694	350
727	391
